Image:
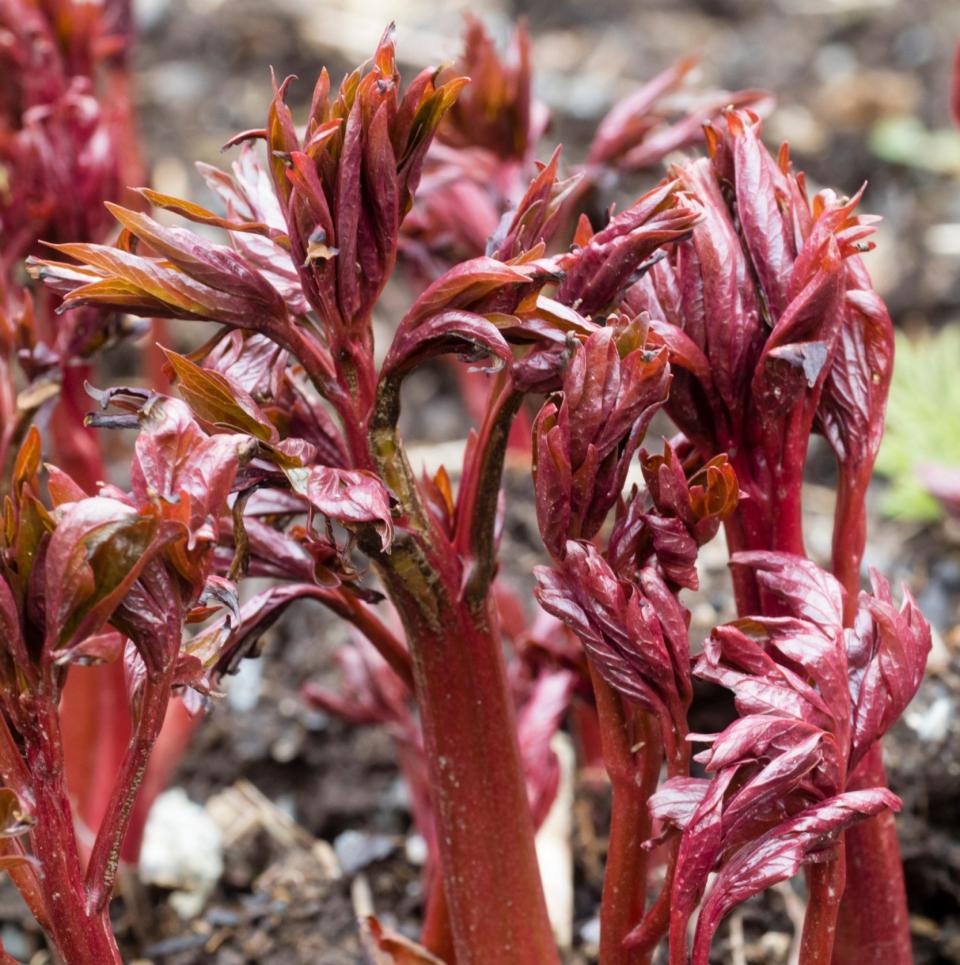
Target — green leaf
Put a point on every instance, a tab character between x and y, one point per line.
922	415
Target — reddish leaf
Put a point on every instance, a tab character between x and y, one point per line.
810	836
622	633
347	496
583	446
97	552
601	271
218	399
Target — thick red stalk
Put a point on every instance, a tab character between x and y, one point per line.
849	539
745	591
358	381
825	886
484	826
787	512
749	527
632	783
82	936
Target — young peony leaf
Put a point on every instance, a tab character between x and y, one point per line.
218	399
743	662
676	801
346	189
583	446
538	720
682	516
214	265
855	394
179	468
777	855
639	652
465	286
350	497
802	588
151	615
599	272
496	112
536	217
14	651
448	332
765	339
813	699
674	548
114	278
95	555
62	487
637	131
888	651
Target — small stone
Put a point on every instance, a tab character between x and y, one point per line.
355	849
183	850
590	933
933	723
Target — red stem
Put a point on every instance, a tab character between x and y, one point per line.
94	701
168	749
437	936
745	591
347	606
105	857
825	887
78	449
484	826
625	875
874	927
849	539
644	939
786	492
82	937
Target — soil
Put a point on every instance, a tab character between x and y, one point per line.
838	67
